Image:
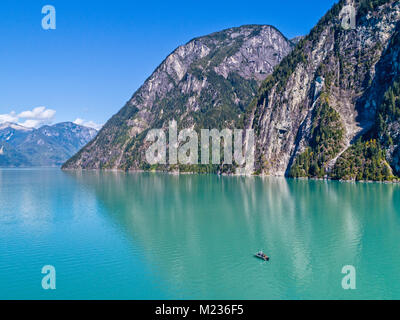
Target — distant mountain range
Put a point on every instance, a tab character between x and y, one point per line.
46	146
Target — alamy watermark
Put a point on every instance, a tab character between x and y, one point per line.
49	20
183	147
349	280
49	280
348	16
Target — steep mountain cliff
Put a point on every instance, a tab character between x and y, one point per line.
46	146
207	83
331	108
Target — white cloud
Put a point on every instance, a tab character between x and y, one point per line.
41	116
32	123
10	117
31	118
39	113
89	124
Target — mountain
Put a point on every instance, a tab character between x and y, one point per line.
297	39
332	107
207	83
46	146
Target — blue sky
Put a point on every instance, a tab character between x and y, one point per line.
102	51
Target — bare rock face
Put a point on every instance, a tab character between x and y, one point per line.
327	93
207	83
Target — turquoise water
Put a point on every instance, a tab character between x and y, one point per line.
156	236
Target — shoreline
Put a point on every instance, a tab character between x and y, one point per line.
177	173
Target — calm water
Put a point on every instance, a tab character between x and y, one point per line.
155	236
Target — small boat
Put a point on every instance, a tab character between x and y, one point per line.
262	255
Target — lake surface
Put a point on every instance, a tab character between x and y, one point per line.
157	236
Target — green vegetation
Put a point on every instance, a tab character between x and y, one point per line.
365	160
216	57
217	110
389	108
326	141
229	102
368	6
389	111
288	65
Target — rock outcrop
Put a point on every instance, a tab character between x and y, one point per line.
327	93
206	83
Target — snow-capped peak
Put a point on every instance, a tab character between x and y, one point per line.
14	126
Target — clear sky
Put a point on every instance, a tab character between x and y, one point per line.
102	51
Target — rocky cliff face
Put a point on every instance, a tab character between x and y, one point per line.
318	114
207	83
330	109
